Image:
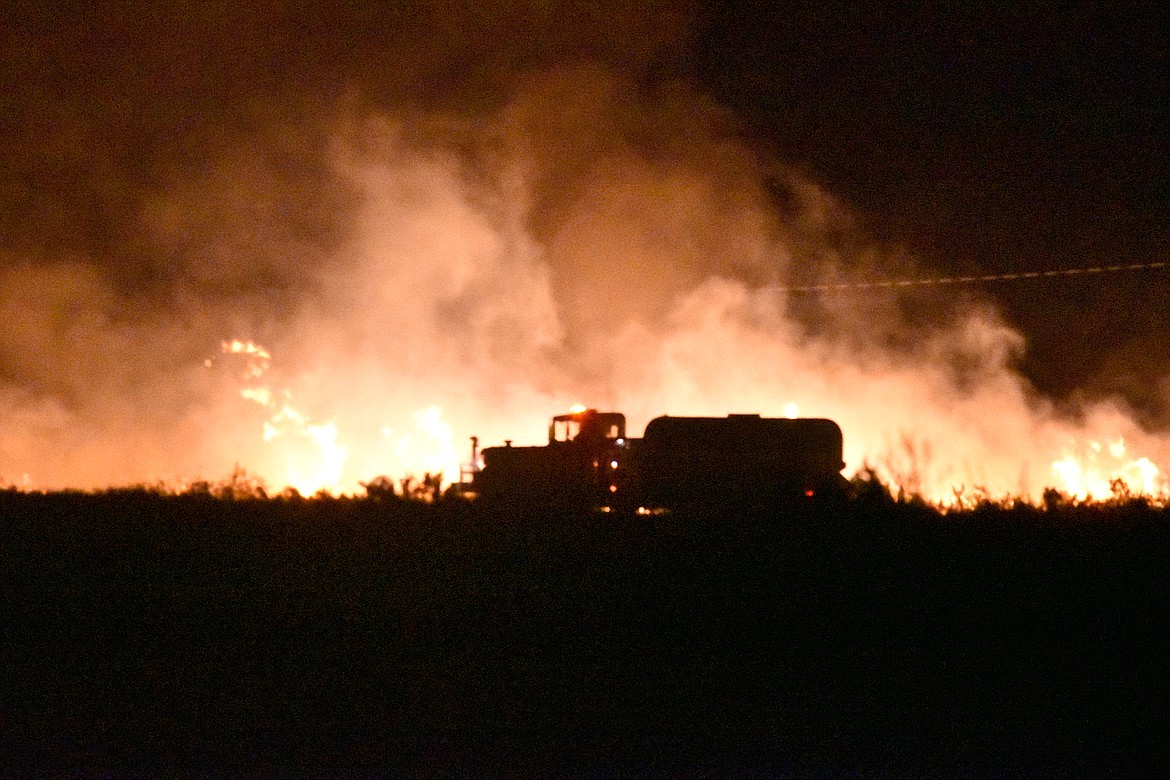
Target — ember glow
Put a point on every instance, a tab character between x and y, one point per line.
386	276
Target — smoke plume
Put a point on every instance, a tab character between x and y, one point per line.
352	283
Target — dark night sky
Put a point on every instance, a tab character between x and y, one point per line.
988	142
980	141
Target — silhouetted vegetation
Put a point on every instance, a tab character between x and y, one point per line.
228	630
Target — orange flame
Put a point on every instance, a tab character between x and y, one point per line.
1102	472
313	456
310	459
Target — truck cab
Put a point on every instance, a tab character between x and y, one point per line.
587	425
583	463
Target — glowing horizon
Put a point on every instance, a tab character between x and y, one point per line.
477	279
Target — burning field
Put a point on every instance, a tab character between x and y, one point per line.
304	254
333	261
325	304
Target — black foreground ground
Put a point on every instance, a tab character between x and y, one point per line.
146	633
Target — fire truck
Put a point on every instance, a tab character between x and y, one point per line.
678	462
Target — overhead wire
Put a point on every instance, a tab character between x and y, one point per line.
954	280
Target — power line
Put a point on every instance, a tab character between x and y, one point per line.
947	280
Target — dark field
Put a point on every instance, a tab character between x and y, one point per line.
148	633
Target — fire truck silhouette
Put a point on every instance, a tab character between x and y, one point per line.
679	461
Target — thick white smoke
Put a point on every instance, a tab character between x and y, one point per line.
418	277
